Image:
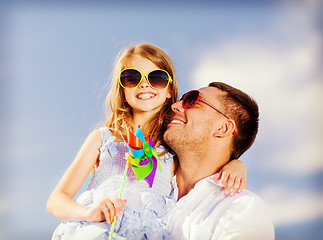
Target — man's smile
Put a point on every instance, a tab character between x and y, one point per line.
176	120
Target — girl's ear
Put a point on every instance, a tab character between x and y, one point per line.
169	94
225	129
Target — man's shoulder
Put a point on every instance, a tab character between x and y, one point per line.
209	189
243	216
245	210
208	194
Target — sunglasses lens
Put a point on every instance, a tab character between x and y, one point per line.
158	79
190	98
130	78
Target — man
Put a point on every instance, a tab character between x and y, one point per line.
210	127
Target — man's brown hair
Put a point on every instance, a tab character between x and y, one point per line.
244	111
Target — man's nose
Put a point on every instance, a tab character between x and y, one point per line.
177	107
144	83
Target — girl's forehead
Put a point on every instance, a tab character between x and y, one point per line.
140	63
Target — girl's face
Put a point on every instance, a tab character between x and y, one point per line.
144	98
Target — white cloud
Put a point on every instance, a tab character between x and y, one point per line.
284	79
288	207
300	159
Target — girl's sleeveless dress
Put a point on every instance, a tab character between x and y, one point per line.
145	214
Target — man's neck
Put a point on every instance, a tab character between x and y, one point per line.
185	182
189	174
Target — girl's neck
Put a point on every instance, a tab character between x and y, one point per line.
141	119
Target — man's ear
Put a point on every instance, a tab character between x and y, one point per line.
225	129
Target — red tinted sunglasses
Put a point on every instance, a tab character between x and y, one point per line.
190	99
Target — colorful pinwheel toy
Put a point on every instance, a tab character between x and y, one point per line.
142	156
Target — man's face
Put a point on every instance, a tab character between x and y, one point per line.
193	127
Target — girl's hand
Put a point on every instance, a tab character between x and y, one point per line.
233	176
106	209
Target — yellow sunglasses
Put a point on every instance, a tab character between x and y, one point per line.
157	79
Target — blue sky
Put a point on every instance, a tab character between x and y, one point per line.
57	58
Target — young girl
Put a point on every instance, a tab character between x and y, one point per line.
143	90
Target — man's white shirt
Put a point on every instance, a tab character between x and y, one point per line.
207	213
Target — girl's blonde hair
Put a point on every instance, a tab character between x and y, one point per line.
121	115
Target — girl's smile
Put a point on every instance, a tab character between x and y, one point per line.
146	95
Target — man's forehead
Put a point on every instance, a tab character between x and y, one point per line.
211	93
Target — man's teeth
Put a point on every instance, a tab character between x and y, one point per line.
177	121
145	95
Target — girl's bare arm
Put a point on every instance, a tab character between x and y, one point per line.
233	176
61	204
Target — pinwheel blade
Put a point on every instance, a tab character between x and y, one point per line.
142	171
133	161
150	142
140	135
156	156
136	153
151	176
133	141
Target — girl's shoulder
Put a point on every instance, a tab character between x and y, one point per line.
106	138
99	137
94	138
105	133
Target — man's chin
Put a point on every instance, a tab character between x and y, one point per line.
167	136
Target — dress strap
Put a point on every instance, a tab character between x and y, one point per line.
107	140
105	134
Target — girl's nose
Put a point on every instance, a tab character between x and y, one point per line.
144	83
